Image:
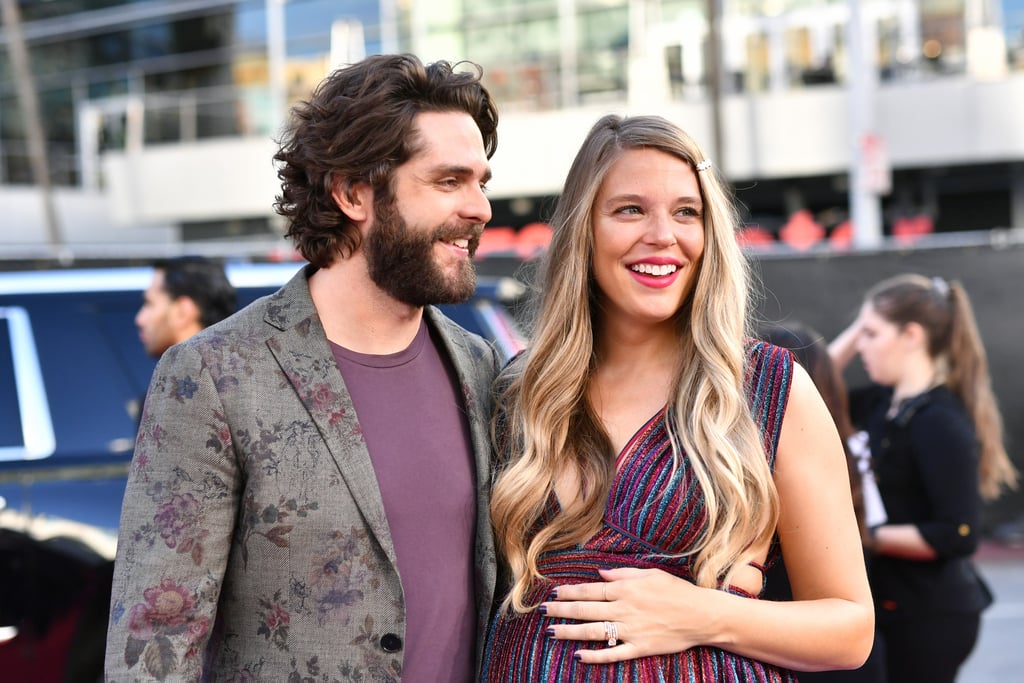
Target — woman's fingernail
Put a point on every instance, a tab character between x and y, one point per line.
577	657
543	609
550	631
553	595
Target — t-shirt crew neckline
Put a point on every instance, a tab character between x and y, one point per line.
386	360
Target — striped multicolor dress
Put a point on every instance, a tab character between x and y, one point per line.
651	513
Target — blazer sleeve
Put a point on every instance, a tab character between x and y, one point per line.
947	458
177	521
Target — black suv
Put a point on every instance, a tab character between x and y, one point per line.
73	374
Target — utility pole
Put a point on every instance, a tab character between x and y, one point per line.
868	166
276	74
35	137
714	75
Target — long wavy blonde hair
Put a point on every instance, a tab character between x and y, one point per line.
944	311
545	425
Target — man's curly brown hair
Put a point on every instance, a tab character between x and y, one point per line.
358	127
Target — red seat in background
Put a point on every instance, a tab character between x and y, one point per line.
802	231
755	236
911	228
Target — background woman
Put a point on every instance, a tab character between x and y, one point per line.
936	439
636	503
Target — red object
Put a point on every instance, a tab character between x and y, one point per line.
911	228
842	235
496	240
754	235
42	658
532	239
802	231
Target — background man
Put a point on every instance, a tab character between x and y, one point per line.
186	294
308	496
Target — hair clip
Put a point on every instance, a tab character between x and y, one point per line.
941	286
704	165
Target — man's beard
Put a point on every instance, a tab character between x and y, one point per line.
402	262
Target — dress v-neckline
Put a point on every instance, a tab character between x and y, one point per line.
631	442
622	456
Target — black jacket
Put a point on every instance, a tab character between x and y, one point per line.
926	465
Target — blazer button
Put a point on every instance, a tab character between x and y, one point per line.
390	642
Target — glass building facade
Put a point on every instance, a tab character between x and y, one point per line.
198	69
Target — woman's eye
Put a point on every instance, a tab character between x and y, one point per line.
630	209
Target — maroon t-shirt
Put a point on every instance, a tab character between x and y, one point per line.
412	415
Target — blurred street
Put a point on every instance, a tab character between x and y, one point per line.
999	655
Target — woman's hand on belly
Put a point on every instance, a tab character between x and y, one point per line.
651	611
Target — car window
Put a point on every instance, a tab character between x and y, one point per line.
10	415
93	367
26	430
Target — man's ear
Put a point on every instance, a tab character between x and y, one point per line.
186	313
355	199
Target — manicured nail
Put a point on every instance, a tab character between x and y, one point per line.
550	631
577	657
543	609
553	595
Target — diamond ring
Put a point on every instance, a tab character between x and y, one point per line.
611	631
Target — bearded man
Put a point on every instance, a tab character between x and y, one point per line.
309	492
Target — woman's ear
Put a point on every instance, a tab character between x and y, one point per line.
355	199
915	334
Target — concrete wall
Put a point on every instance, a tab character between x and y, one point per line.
208	180
83	217
802	132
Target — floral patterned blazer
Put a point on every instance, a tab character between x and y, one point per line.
253	541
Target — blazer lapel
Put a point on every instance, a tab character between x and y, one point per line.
302	350
475	372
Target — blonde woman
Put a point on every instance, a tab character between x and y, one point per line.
935	434
653	458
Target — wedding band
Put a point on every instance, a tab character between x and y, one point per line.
612	633
604	589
